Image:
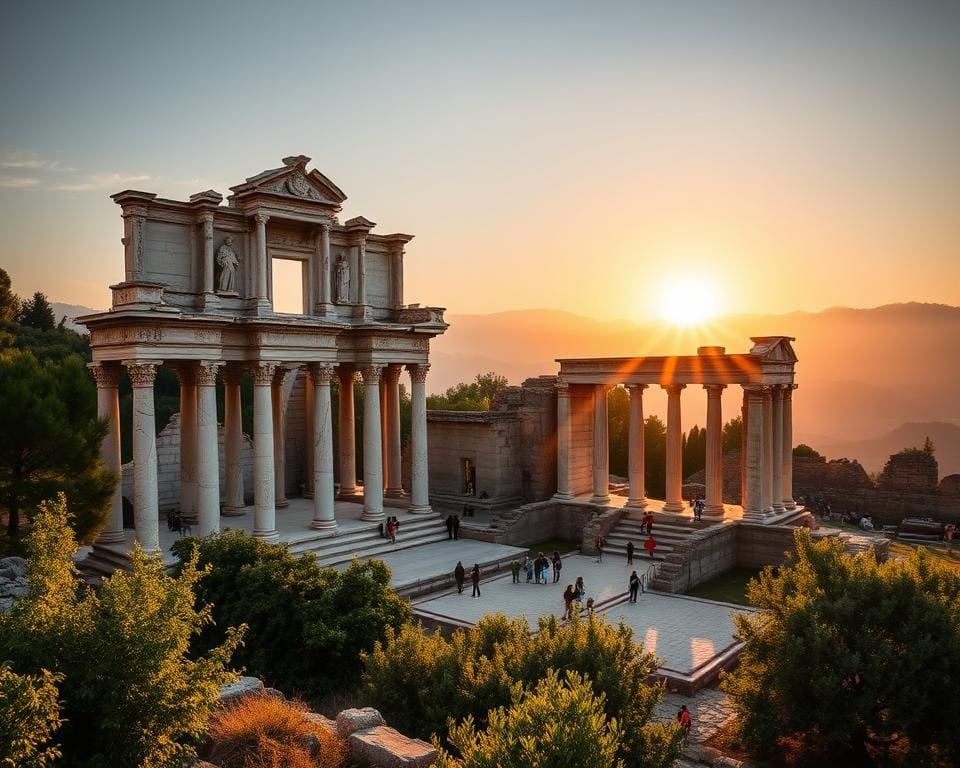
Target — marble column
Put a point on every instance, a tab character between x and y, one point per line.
713	504
233	501
261	220
601	447
372	446
264	501
208	453
753	451
324	518
207	223
279	437
392	435
787	446
108	408
384	443
564	491
347	440
361	310
635	449
309	406
324	306
776	449
146	504
420	478
186	372
396	278
674	456
767	479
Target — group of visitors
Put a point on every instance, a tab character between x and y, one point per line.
176	523
574	594
453	527
459	575
537	569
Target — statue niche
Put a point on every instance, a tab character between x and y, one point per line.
229	263
343	281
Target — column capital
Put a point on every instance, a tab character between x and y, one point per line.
787	390
391	374
418	373
635	388
372	372
142	372
206	218
673	389
325	227
106	376
714	390
261	218
756	389
322	373
263	373
206	372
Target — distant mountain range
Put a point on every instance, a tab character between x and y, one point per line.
872	381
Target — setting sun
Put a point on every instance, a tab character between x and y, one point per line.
687	300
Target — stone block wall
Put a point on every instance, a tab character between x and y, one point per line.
760	545
913	471
538	521
535	403
698	558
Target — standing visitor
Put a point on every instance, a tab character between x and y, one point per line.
648	523
449	527
475	578
650	545
629	553
557	566
515	570
578	589
459	574
456	526
528	567
568	602
634	586
599	549
392	530
948	536
686	722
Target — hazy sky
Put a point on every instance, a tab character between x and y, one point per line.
795	155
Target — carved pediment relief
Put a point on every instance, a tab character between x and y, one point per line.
295	181
296	185
773	349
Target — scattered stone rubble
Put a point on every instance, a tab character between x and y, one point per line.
13	581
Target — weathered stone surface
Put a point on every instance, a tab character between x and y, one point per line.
275	693
13	567
385	747
350	720
950	485
914	471
13	582
330	726
245	686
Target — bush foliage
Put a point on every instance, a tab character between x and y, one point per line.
418	680
130	694
29	716
307	625
851	658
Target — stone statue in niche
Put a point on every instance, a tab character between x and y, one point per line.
229	263
343	281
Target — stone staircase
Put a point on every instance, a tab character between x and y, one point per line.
668	531
367	542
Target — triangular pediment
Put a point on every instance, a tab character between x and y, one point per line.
773	349
292	180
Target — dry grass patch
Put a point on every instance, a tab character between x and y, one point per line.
266	732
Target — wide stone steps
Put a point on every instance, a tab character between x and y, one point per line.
666	536
367	542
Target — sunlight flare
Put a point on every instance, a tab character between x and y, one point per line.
688	300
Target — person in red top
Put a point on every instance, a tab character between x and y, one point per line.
948	535
648	523
686	722
650	545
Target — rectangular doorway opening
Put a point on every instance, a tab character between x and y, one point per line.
288	286
468	473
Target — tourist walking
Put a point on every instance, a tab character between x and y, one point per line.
686	721
650	545
697	509
600	543
449	527
629	553
948	535
456	526
528	567
634	586
458	575
648	523
557	566
515	570
392	530
475	578
546	570
578	589
568	602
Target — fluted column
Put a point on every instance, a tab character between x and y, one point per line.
713	504
261	220
776	449
787	447
420	478
767	486
146	505
233	501
601	446
324	518
325	305
309	406
674	457
279	438
753	451
384	443
208	454
264	502
347	446
188	439
392	435
564	491
108	408
372	447
635	452
207	223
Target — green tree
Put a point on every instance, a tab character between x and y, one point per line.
804	451
9	301
130	693
555	725
732	436
850	658
29	717
50	440
36	312
307	625
474	396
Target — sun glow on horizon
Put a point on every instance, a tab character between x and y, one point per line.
688	300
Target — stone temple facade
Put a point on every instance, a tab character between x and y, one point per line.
197	295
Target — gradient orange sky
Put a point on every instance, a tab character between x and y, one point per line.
793	155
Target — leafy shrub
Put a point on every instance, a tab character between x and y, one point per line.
29	716
307	625
266	732
556	725
131	696
418	680
851	658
